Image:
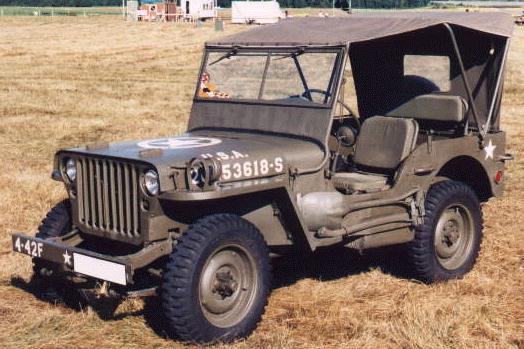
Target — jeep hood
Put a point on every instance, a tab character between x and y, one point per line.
229	147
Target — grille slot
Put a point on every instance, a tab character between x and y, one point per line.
108	196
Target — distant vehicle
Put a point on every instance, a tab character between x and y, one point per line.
275	161
256	12
520	19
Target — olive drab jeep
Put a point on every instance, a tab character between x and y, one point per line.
360	131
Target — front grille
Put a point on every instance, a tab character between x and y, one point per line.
108	196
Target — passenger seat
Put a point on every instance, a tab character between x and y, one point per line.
383	143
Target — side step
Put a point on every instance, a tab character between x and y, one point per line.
389	238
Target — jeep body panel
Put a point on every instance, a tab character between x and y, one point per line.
248	158
169	153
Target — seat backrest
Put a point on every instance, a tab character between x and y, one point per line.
384	142
433	107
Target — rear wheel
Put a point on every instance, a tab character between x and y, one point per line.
217	280
447	244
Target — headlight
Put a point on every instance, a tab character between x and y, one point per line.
197	173
151	182
70	169
204	171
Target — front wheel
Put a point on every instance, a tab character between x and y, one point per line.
447	244
48	277
57	223
217	280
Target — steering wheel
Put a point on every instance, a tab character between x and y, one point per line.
351	114
307	93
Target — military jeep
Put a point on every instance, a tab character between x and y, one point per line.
359	131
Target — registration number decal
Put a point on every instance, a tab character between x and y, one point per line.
29	247
254	168
237	165
38	249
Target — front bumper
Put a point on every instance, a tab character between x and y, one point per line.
115	269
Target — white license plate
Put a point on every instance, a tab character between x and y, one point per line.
100	269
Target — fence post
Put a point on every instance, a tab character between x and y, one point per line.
219	25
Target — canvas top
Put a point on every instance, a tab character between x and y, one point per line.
330	31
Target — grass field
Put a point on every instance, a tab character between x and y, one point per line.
65	82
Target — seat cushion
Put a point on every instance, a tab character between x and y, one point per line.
351	182
384	142
433	107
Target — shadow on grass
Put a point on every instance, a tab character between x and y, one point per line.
323	265
337	262
65	294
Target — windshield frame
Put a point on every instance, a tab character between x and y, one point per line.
336	72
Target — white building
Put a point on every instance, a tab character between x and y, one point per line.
255	12
198	9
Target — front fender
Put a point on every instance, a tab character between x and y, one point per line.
269	204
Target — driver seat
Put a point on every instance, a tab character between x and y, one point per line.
383	143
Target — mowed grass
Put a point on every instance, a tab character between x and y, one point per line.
68	81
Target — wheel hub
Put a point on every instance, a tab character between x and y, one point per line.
225	284
453	236
451	233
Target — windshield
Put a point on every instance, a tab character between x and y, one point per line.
293	76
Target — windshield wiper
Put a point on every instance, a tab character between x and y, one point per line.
293	54
228	55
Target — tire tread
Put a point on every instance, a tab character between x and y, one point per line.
180	269
420	252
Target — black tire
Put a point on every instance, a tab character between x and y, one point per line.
48	277
56	223
189	269
427	254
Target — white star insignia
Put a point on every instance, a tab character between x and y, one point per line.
489	149
179	142
67	258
